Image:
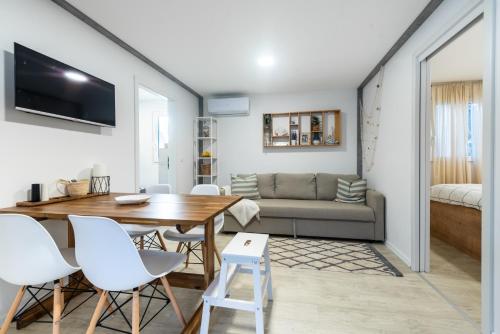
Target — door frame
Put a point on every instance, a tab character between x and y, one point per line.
171	110
421	167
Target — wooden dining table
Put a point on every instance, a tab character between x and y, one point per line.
182	211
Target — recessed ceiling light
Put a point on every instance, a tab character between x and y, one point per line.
75	76
265	61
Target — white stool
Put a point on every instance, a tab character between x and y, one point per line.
241	255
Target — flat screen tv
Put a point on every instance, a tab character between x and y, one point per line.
48	87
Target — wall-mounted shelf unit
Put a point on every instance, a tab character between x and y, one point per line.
302	129
205	150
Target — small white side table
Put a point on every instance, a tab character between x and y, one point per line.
241	255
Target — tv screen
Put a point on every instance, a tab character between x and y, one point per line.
48	87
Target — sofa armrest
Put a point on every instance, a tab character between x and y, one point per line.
376	201
227	190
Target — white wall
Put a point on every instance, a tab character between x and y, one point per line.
392	173
38	149
240	138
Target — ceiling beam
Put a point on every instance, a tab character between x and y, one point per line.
424	14
109	35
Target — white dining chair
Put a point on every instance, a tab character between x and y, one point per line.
111	262
29	256
142	233
192	240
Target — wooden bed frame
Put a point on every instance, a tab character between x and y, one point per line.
458	226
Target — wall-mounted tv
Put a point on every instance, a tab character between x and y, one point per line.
48	87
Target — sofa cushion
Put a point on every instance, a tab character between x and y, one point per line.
265	183
295	186
245	186
287	208
326	185
351	191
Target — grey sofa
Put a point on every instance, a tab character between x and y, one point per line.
303	205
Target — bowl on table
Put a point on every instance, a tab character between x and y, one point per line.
132	199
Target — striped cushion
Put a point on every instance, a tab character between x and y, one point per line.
351	191
245	186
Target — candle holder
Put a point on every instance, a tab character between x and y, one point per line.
100	185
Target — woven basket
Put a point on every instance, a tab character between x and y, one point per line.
205	169
78	188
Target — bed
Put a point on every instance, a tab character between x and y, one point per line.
456	216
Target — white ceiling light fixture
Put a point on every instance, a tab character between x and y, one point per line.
266	61
75	76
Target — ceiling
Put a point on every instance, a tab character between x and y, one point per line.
213	46
462	59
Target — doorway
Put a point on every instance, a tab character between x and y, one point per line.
451	146
154	146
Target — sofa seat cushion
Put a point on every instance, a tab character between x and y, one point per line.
289	208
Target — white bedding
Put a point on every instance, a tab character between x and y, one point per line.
469	195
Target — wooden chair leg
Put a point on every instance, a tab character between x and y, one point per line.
12	310
160	239
188	253
141	242
136	312
107	304
56	313
217	254
61	282
97	312
179	246
171	296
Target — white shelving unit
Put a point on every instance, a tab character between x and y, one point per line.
205	167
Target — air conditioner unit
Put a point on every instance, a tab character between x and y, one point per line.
229	106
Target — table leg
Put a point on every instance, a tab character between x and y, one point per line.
209	249
71	235
208	245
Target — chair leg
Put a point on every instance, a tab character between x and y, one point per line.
136	313
61	282
179	246
103	299
162	242
187	253
171	296
217	254
56	316
13	309
107	304
141	242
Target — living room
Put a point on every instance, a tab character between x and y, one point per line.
287	140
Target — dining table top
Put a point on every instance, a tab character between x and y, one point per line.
160	209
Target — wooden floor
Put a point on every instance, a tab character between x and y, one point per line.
308	301
458	277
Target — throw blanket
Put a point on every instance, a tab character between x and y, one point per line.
469	195
244	211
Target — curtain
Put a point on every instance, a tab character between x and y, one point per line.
456	132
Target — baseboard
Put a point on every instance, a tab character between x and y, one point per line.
398	253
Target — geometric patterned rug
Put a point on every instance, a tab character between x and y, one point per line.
329	255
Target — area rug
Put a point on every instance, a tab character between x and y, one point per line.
329	255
